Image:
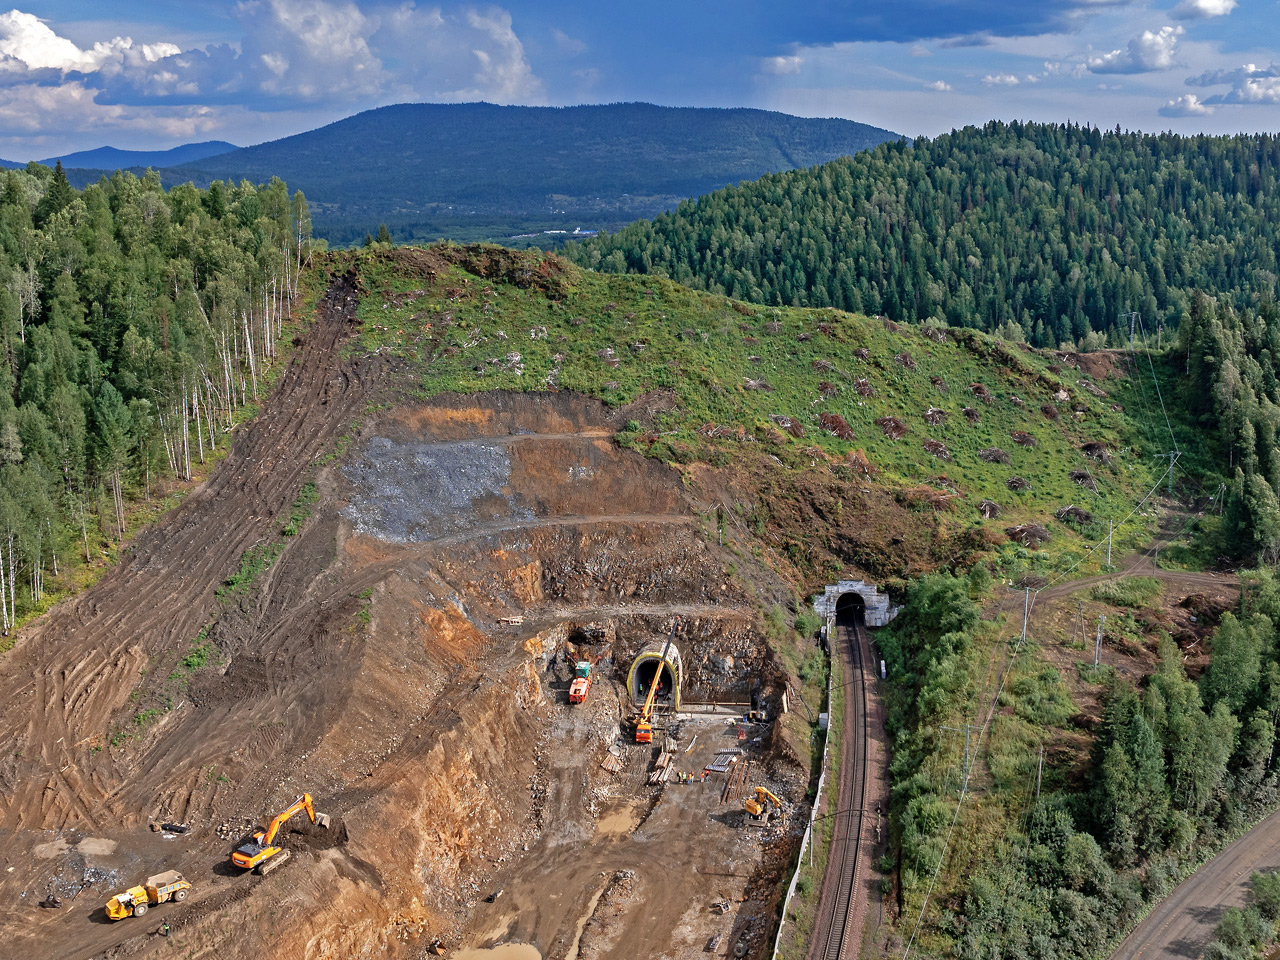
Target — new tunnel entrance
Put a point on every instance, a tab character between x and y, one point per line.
648	664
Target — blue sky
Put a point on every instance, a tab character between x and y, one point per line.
146	74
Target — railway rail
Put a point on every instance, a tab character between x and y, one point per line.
837	934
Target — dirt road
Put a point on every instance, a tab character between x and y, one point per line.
1182	925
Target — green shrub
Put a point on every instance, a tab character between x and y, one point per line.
1127	591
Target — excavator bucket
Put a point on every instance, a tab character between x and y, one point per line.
322	821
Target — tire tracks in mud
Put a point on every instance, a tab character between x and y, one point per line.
73	671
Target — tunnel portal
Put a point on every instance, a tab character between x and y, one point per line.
648	663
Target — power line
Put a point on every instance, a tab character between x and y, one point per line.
1174	457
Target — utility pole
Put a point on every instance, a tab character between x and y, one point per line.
1039	771
965	730
1097	647
1173	458
1026	609
1111	526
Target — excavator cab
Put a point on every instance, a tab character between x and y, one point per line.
581	682
757	808
261	853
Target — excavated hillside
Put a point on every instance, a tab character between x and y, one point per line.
403	660
380	596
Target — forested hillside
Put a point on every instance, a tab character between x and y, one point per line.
134	324
1049	232
1229	386
477	170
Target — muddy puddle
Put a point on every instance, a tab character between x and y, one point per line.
618	820
505	951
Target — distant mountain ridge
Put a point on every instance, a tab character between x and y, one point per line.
475	169
112	158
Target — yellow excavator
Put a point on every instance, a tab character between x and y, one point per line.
757	808
644	726
261	853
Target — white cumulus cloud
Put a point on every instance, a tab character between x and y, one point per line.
1202	9
1000	80
1250	84
1253	90
1153	50
940	85
1185	106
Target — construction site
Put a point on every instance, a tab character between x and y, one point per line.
501	689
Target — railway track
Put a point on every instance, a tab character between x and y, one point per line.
837	934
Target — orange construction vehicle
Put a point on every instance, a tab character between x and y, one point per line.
261	854
581	682
644	728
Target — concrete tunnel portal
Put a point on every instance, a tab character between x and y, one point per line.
649	663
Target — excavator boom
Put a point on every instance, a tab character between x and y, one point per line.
302	803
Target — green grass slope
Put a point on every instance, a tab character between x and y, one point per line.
761	394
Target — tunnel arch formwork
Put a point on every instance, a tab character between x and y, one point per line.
648	662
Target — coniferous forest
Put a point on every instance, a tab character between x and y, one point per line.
134	324
1046	232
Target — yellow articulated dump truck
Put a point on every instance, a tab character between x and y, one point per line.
134	902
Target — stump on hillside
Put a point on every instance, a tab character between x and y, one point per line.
938	449
862	466
836	425
1076	515
1096	450
1085	479
1030	535
934	416
893	428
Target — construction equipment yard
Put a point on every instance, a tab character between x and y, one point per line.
406	660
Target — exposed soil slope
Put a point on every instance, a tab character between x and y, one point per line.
404	660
